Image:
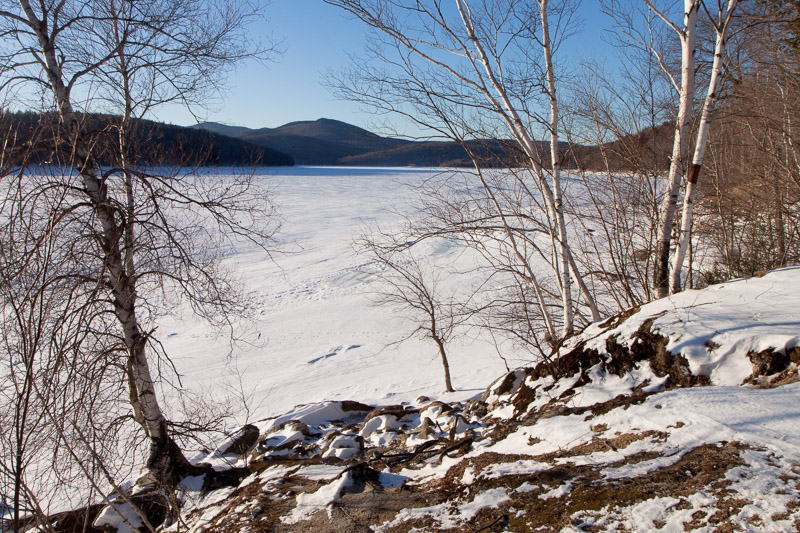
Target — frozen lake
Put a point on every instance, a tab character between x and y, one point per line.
313	333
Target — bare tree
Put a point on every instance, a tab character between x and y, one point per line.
721	22
412	286
646	34
687	35
130	231
474	71
622	137
26	324
57	375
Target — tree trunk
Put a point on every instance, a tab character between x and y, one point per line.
679	149
565	279
166	461
448	386
700	148
584	290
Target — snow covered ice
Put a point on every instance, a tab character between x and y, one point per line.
316	334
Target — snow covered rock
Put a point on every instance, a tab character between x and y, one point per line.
714	335
240	442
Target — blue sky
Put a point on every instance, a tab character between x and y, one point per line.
317	37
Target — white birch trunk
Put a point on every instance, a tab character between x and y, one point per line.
555	160
679	148
144	401
700	148
584	290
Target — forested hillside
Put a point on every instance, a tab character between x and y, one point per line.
152	143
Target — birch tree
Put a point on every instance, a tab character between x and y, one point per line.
666	266
134	229
721	22
468	71
687	35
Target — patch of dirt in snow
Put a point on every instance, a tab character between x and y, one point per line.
589	495
604	444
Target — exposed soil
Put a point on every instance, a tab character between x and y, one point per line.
779	366
701	468
602	444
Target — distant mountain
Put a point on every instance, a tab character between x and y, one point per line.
180	145
332	142
332	130
318	142
492	153
221	129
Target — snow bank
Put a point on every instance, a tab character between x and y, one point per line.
716	328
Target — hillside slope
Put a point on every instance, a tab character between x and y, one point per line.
152	143
681	415
319	142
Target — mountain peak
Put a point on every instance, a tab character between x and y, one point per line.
325	128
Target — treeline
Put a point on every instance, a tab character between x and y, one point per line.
152	143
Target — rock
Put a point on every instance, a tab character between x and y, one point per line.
398	411
506	385
76	519
152	504
362	473
425	429
443	407
290	435
343	446
768	362
348	405
457	425
475	409
240	442
292	425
